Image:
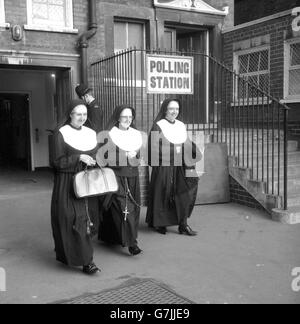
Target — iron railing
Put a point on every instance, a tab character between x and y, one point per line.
224	106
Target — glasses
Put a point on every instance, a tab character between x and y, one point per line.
126	117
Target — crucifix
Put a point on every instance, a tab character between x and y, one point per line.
126	213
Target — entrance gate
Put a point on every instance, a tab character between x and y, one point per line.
225	107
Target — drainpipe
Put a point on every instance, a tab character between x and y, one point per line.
83	43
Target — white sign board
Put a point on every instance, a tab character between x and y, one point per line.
170	74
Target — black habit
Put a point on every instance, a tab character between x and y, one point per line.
172	194
73	244
120	213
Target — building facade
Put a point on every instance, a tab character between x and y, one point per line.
264	47
41	60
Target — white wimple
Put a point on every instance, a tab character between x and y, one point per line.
84	139
129	140
175	133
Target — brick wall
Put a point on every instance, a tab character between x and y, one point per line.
276	29
41	41
246	10
240	196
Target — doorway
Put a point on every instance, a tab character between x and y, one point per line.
195	42
15	143
25	134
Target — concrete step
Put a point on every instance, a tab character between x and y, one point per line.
268	149
293	186
289	217
294	200
293	171
293	158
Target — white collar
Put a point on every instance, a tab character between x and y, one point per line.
130	140
175	133
84	139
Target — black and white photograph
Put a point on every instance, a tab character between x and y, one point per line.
149	154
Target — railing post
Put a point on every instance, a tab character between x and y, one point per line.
286	112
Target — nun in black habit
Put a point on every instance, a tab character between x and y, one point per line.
174	180
120	213
74	220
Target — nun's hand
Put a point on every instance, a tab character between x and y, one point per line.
88	160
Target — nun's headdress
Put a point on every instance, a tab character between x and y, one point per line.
72	105
164	109
114	120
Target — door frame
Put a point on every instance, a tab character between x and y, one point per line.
31	150
174	28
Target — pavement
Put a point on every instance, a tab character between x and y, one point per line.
240	255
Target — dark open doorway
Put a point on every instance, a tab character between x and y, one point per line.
15	143
183	39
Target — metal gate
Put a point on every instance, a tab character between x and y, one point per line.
225	106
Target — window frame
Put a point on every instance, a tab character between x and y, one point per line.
138	83
2	15
127	22
69	23
236	56
287	68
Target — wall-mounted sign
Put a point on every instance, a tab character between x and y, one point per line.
170	74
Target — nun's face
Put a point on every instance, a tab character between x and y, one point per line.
125	119
173	111
79	116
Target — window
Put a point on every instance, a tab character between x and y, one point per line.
130	35
2	14
254	66
56	15
292	71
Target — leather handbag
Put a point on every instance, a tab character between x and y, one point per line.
95	182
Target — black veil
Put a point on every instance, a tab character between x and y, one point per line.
67	119
114	120
164	108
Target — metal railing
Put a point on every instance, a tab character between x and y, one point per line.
224	106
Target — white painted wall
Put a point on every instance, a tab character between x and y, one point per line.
41	89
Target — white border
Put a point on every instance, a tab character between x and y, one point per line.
69	28
287	48
2	15
175	91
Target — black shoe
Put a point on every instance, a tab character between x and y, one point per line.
91	269
162	230
186	230
134	250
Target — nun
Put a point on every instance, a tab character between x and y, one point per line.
174	180
74	221
120	150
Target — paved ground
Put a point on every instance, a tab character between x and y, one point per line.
239	256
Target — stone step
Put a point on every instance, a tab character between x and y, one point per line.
293	186
293	158
292	147
294	200
293	171
289	217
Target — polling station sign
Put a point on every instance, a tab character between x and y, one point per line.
170	74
